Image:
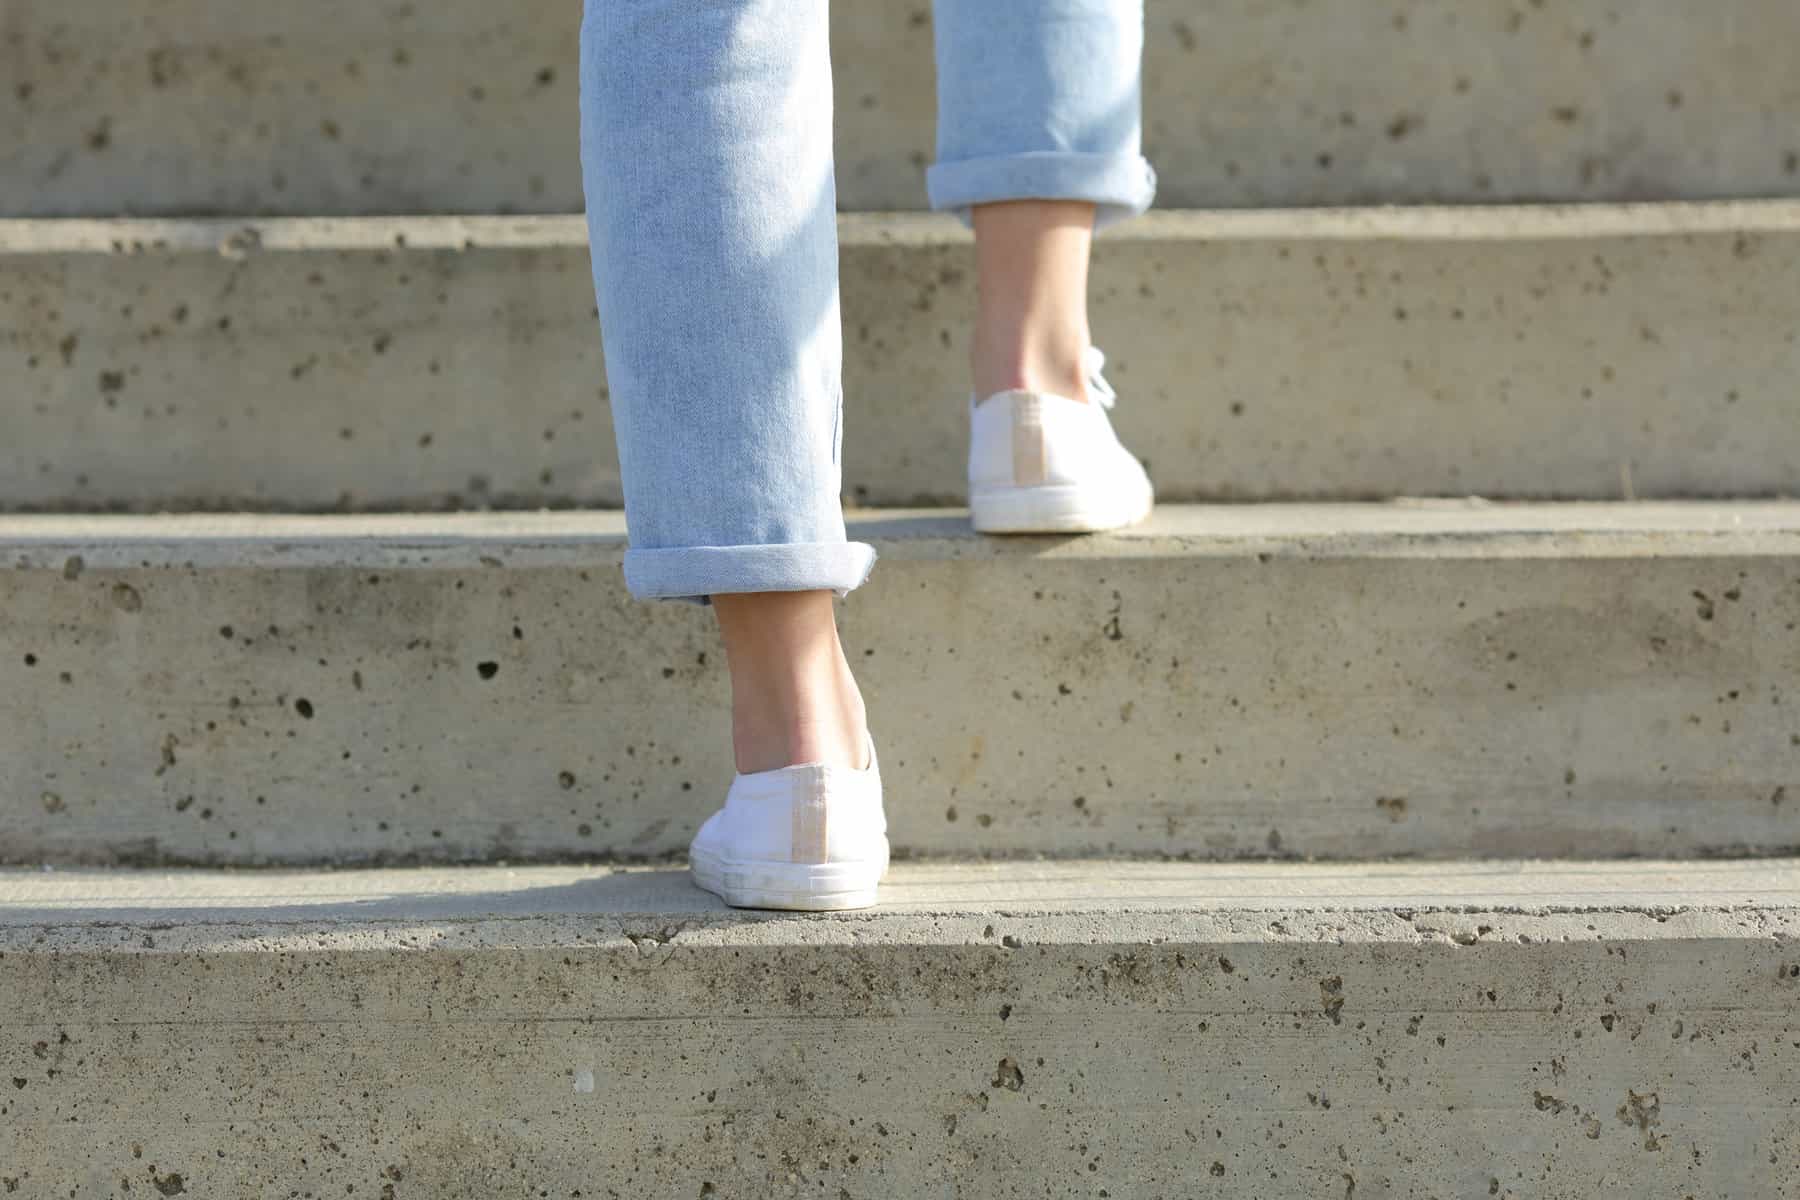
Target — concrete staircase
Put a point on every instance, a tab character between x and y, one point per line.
1137	1029
1335	844
1598	352
345	107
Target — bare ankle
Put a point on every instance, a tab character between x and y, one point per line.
794	699
1031	326
1027	364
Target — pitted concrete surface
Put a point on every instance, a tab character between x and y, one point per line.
1159	1030
1341	682
1400	528
343	106
408	363
247	236
913	896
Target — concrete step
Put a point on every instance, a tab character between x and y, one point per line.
341	106
1599	352
1341	682
1517	1030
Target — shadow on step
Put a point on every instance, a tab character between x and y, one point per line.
190	900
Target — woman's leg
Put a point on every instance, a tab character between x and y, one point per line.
1031	317
1039	135
793	699
706	150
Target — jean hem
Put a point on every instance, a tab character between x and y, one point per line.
694	573
1119	185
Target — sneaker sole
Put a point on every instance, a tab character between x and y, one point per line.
795	887
1052	508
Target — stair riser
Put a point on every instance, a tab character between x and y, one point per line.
1161	695
1349	1052
1303	361
346	107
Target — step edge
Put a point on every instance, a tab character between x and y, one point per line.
246	236
923	903
566	537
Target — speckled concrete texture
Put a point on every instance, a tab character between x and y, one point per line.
1552	1032
1338	681
1437	849
358	904
1629	351
256	106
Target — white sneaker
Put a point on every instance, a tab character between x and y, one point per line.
811	837
1040	463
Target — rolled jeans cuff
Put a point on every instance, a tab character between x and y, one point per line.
697	572
1120	185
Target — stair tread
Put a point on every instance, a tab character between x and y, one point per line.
248	539
922	901
242	236
345	99
360	364
1432	680
990	1030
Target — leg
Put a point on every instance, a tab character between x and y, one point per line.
706	148
793	699
1038	141
1031	318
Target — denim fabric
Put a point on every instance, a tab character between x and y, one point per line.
1040	99
706	158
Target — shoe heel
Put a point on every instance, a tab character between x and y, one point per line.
1052	508
795	887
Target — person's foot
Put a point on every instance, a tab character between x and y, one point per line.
1042	463
811	837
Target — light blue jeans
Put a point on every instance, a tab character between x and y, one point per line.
707	162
